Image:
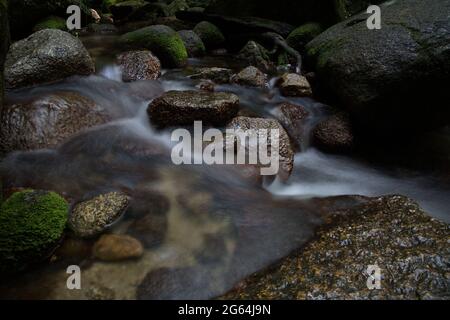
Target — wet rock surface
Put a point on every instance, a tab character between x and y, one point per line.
185	107
211	36
47	121
293	118
392	232
250	76
139	65
334	134
45	56
92	217
111	247
218	75
294	85
285	149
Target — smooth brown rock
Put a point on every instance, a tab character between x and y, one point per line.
112	247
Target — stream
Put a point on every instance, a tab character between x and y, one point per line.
203	228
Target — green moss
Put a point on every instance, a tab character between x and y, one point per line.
51	22
298	38
31	223
211	36
163	41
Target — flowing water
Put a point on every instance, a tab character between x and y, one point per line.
203	228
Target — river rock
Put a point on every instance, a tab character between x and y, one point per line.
385	78
31	224
293	118
185	107
393	232
92	217
251	76
163	41
285	149
334	134
294	85
51	22
45	56
113	247
47	121
218	75
194	45
211	36
302	35
122	9
256	55
139	65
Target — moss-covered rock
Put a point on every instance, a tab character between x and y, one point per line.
51	22
211	36
31	223
298	38
163	41
384	78
194	45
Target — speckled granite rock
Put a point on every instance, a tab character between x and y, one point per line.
392	232
91	217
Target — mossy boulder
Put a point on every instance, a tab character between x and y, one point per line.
211	36
163	41
194	45
51	22
393	81
31	225
298	38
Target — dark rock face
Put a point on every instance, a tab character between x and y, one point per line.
4	44
47	121
251	76
387	78
139	65
185	107
409	247
46	56
194	45
211	36
293	117
286	152
334	134
291	11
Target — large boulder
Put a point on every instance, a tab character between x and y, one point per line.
394	79
163	41
185	107
31	225
334	134
45	122
393	233
46	56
